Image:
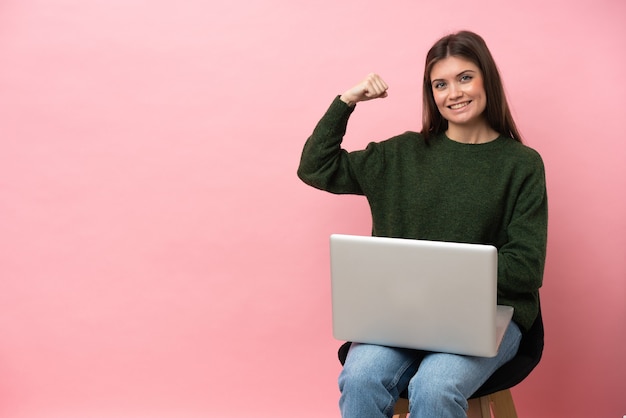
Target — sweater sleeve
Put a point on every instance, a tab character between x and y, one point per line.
324	164
521	259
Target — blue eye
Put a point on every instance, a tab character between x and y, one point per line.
466	77
439	85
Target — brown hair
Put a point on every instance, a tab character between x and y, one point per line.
472	47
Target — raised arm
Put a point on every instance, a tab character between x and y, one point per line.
324	164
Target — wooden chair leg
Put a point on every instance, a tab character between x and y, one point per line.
502	404
479	408
401	410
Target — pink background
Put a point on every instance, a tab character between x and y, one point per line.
158	255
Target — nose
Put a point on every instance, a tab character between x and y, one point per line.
455	91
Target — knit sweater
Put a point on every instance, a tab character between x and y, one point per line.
492	193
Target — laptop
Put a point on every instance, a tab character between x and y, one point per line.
429	295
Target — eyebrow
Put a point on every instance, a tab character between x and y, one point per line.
458	75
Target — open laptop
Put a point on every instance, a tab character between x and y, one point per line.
429	295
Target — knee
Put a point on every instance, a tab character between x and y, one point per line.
370	368
436	393
359	377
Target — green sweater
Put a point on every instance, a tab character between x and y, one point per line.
492	193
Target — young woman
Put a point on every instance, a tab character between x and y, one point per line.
466	177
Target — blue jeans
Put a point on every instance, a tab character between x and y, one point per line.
373	377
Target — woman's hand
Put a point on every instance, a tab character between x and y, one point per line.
372	87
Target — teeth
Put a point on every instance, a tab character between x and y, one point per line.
459	105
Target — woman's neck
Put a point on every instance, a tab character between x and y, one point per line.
477	134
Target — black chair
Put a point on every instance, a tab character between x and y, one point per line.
494	395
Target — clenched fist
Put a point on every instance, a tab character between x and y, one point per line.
372	87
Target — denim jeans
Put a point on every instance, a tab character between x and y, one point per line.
438	384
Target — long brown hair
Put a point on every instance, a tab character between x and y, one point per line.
472	47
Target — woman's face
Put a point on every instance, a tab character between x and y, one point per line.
458	91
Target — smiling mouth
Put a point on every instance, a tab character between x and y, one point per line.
459	105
